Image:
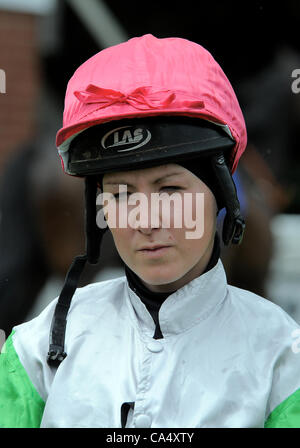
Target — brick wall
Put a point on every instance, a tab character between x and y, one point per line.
19	59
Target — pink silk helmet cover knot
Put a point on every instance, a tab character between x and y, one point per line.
147	76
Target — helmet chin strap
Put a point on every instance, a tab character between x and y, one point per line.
94	236
234	223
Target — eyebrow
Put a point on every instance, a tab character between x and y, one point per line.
160	179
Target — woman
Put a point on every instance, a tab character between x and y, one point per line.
155	124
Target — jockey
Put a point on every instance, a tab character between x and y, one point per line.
154	126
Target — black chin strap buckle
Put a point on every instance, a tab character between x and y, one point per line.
55	355
238	231
234	223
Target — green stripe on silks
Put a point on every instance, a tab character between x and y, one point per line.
286	414
20	404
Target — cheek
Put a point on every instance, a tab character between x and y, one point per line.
122	239
188	246
196	216
203	204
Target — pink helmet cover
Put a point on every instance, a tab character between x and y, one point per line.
147	76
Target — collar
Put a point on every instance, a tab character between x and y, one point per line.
184	308
153	300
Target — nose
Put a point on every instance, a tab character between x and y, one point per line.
146	217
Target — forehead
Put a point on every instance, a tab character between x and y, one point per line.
152	173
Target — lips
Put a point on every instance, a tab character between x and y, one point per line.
153	247
154	251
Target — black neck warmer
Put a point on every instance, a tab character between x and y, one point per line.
153	300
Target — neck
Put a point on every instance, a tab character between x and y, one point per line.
153	300
194	272
207	262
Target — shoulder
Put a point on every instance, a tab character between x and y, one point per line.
262	324
86	301
85	297
260	309
94	293
271	341
31	339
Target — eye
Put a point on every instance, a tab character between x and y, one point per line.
122	195
171	188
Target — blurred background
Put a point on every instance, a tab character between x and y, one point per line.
42	42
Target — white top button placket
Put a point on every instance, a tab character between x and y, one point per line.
141	419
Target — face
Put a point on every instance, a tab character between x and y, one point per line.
163	250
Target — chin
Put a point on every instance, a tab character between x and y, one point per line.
159	276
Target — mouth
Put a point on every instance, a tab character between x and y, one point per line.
154	251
